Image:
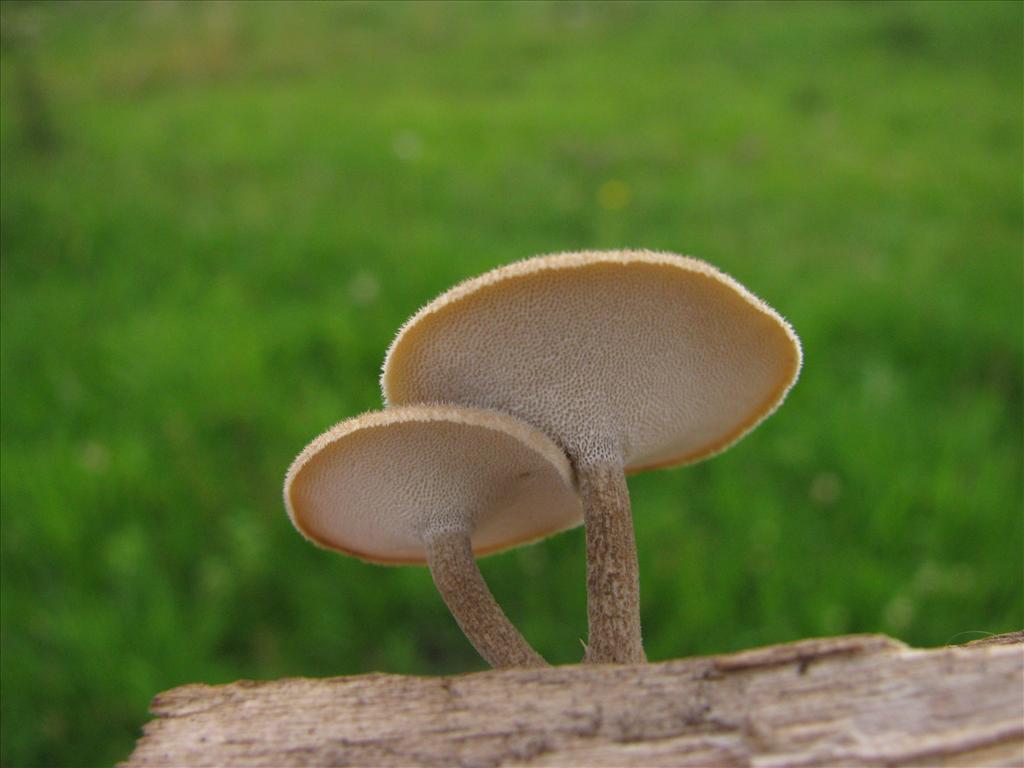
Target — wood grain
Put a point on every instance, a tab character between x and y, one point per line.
862	700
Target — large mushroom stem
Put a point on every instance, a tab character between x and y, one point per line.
613	581
462	586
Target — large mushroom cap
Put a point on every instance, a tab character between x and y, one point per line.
374	486
653	358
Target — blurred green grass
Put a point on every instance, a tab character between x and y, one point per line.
214	217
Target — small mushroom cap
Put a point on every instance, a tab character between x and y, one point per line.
649	359
375	486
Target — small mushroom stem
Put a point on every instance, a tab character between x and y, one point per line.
462	586
613	582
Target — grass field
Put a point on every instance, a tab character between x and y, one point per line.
214	218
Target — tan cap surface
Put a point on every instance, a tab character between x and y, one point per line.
374	486
647	358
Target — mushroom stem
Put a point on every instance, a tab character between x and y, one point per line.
462	586
613	582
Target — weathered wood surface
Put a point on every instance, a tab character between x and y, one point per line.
858	700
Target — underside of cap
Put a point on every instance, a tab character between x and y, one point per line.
651	359
375	485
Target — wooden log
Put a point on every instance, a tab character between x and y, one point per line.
861	700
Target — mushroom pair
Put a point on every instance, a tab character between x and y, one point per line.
624	360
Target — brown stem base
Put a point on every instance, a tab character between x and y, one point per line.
462	586
613	582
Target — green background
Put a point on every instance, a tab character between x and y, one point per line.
215	217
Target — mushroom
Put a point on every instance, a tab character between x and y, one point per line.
630	360
436	484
